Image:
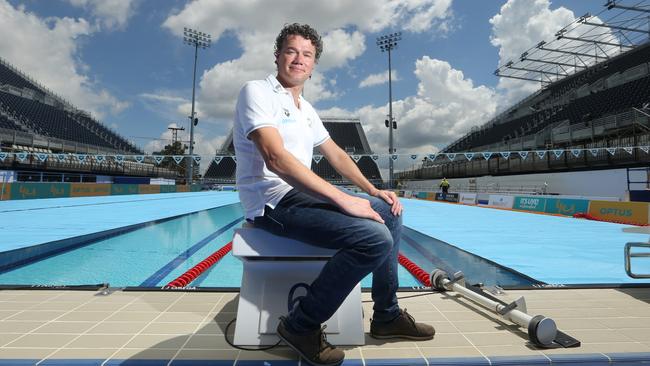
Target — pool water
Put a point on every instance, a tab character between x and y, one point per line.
493	247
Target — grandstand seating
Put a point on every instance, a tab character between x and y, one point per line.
562	101
7	76
341	133
7	124
348	134
224	170
38	111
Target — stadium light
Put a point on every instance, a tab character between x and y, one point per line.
196	39
387	43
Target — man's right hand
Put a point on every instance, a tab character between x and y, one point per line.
358	207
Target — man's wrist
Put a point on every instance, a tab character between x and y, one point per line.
373	191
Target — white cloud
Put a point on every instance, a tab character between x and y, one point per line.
446	106
255	23
428	15
110	14
47	51
518	26
341	47
165	98
378	79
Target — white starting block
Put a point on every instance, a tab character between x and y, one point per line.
272	265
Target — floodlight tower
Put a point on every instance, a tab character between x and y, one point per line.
388	43
196	39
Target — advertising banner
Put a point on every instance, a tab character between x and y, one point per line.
182	188
22	191
168	188
568	207
89	189
148	189
535	204
501	201
119	189
468	198
450	197
422	195
5	192
482	198
408	194
632	212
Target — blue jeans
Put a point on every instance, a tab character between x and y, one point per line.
364	246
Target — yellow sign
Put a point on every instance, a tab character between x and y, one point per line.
5	192
89	189
148	188
629	212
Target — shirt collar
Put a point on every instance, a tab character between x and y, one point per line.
277	87
275	84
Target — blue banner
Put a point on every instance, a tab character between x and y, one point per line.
567	207
537	204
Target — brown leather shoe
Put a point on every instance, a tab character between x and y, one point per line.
404	326
312	346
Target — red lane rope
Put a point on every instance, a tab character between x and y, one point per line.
582	215
194	272
415	270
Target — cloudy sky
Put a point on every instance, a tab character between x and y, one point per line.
125	62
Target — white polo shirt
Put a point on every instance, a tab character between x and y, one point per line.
266	103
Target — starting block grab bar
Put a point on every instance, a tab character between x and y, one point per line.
542	331
629	254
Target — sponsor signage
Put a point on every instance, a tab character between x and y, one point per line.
567	207
21	191
468	198
497	200
631	212
120	189
5	192
536	204
88	190
449	197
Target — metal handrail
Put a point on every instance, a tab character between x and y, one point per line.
629	255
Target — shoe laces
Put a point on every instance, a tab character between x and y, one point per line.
324	344
409	317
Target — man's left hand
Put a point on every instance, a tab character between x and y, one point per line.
391	198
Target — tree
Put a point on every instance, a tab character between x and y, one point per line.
175	148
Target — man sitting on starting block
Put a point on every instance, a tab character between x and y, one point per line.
274	135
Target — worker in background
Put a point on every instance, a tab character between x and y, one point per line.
444	185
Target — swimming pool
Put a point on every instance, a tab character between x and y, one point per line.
493	247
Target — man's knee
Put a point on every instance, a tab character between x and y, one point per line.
377	242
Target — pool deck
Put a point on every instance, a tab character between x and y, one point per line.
48	327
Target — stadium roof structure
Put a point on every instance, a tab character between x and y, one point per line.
587	41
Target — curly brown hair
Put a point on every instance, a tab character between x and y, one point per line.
303	30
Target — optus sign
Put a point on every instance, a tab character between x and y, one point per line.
629	212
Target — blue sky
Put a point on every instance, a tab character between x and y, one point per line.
124	60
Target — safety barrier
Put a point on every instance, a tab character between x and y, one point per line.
623	212
21	191
501	201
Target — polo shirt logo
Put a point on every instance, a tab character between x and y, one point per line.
286	112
